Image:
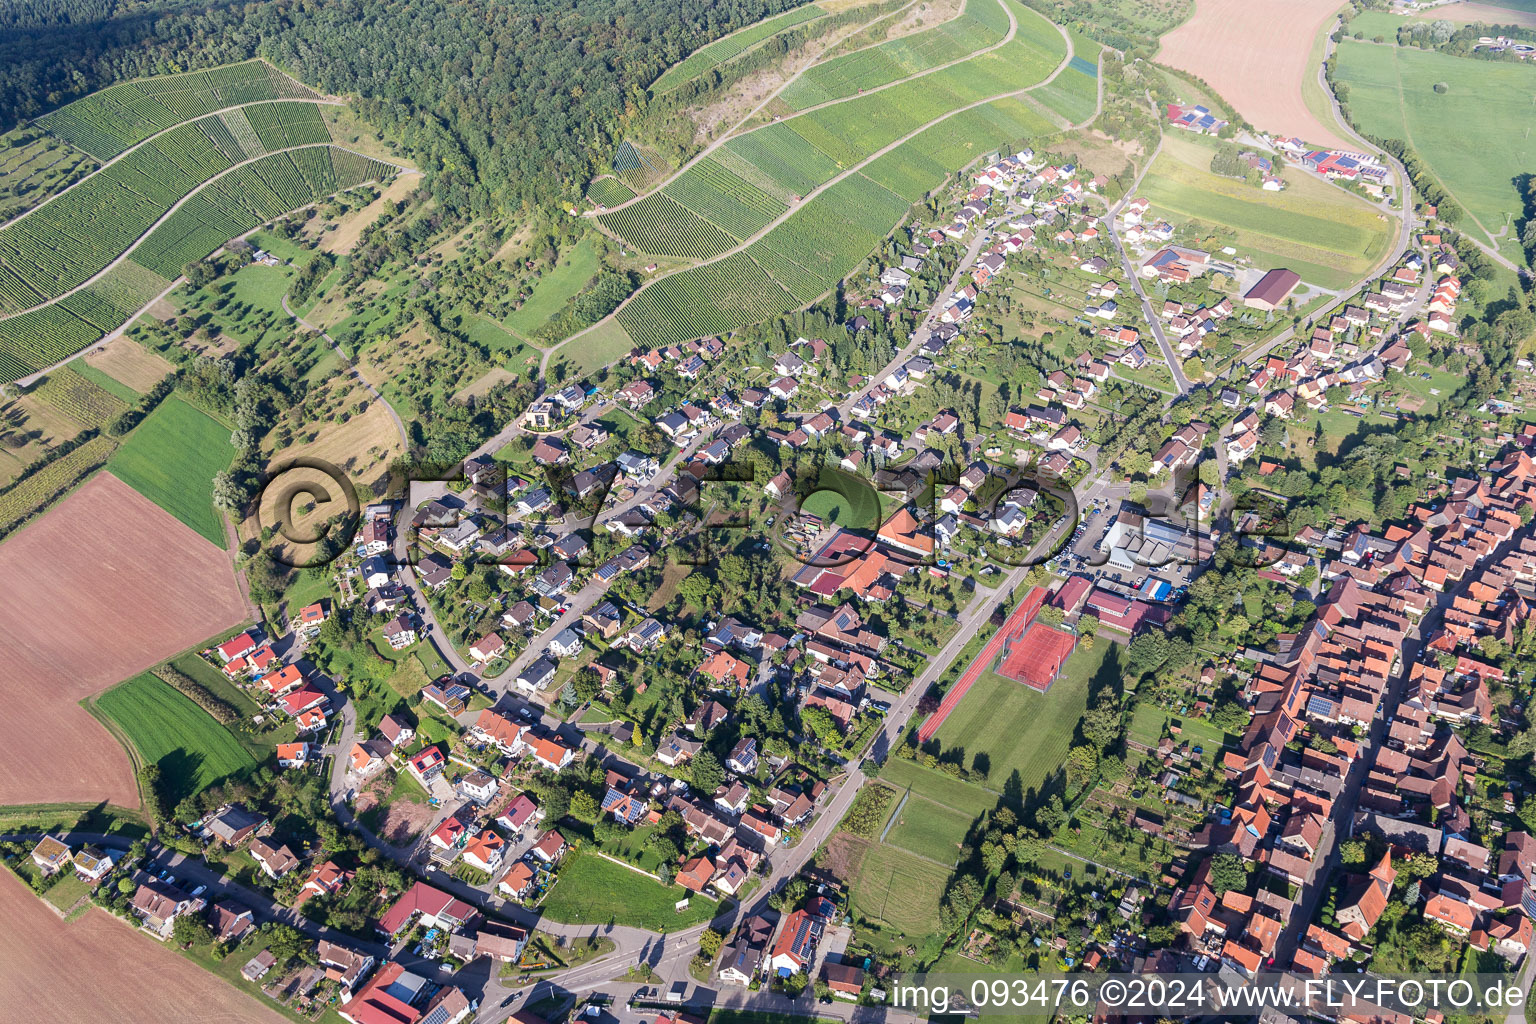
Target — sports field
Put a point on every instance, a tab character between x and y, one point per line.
930	829
1491	106
898	892
191	748
1326	235
171	459
1022	730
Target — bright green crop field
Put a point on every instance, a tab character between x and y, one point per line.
171	458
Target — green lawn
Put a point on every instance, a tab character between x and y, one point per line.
171	459
1392	95
604	344
898	894
1020	729
67	891
1147	727
930	830
191	748
576	267
942	789
591	890
844	499
1326	235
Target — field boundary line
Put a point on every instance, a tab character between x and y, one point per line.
144	142
182	201
818	190
735	132
891	821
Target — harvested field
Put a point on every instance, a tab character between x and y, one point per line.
125	360
493	377
362	446
112	974
351	228
28	428
1488	14
85	608
1256	56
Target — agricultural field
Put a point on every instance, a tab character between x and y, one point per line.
166	728
158	199
746	186
148	582
591	890
80	399
1258	57
107	971
37	489
723	198
1020	730
727	47
609	192
246	196
126	361
34	166
106	123
825	238
171	459
29	428
981	24
1392	94
662	227
705	300
1325	234
68	240
1074	94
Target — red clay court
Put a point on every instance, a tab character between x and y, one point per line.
1017	623
1035	658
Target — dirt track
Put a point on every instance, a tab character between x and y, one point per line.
102	587
1254	54
108	973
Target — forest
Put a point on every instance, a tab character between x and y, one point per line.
506	105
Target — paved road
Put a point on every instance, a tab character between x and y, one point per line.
1325	862
856	168
779	91
167	216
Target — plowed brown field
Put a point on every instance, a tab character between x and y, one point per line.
1254	54
100	588
93	969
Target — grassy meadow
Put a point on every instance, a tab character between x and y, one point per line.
171	458
1326	235
1475	136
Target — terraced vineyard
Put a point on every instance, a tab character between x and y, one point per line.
816	246
663	227
718	297
609	192
107	122
70	239
247	196
981	24
726	200
727	47
235	202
